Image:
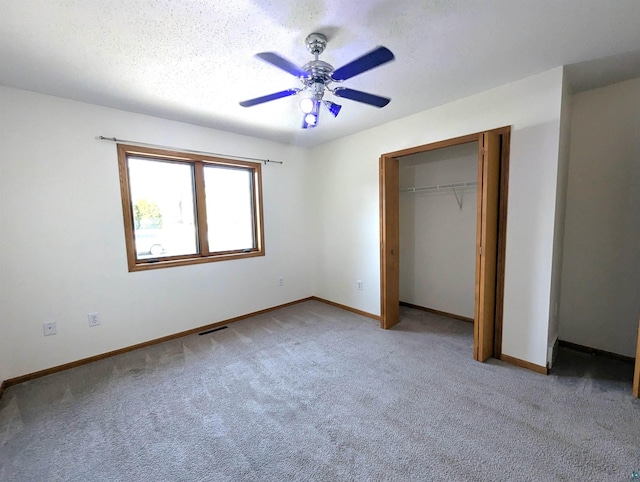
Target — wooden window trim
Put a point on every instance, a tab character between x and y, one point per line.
198	162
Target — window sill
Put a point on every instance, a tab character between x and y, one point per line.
137	265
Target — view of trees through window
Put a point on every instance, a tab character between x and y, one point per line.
147	214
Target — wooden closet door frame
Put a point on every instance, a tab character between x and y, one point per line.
390	229
486	246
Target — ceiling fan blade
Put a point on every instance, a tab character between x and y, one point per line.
368	61
282	63
270	97
360	96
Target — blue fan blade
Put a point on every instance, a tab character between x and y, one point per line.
377	56
267	98
282	63
363	97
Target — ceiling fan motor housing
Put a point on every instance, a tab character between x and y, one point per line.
319	71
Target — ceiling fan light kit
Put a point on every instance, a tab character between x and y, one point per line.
332	107
316	77
306	105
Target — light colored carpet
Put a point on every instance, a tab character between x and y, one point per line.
312	392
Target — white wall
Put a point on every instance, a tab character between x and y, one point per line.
347	201
600	277
437	236
62	236
560	214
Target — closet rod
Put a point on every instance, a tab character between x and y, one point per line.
440	187
189	151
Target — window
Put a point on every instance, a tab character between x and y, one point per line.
183	208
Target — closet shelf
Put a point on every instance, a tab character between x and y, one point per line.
440	187
455	187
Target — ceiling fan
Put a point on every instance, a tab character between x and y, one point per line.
316	77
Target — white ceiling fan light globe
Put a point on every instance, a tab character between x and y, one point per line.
311	119
306	105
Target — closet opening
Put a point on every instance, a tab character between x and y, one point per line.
437	219
443	226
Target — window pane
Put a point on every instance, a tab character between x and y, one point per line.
163	208
229	195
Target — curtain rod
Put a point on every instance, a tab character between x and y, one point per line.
189	151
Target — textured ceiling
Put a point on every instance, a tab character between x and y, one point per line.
193	60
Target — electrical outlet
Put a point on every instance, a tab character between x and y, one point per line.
360	285
281	281
49	328
94	319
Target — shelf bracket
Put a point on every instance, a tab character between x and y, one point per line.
458	198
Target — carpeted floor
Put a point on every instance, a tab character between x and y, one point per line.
312	392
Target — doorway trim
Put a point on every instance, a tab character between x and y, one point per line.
390	233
